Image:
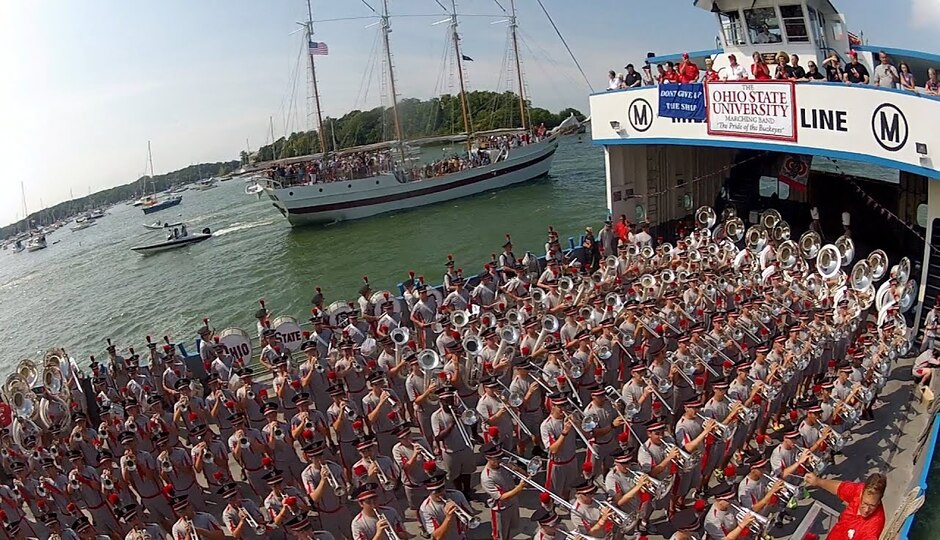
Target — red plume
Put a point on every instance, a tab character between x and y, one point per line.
168	490
71	508
113	499
588	467
645	497
730	471
263	393
545	498
624	437
359	470
307	434
193	416
41	503
392	415
493	431
525	350
290	501
261	301
295	384
430	467
217	475
760	438
229	404
266	461
699	506
794	415
331	375
357	425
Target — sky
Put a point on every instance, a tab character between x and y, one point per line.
85	85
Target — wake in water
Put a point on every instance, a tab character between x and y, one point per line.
242	226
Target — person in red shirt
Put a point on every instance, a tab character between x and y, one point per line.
670	75
622	230
759	69
864	515
710	74
688	71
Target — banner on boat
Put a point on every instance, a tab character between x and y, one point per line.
760	110
682	101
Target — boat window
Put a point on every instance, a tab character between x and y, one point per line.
770	186
763	26
731	27
794	22
922	215
818	25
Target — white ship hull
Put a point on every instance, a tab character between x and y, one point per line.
356	199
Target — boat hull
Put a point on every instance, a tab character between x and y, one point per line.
172	244
163	205
357	199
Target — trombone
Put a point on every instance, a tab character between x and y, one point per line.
581	424
462	421
532	466
510	401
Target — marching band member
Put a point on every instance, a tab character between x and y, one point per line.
438	513
279	442
419	393
410	455
192	524
314	374
284	502
381	406
755	492
549	525
345	419
787	458
693	434
351	368
720	521
457	454
656	461
210	457
588	517
239	512
625	486
563	467
373	520
133	521
608	422
494	413
503	490
248	446
530	412
330	500
381	470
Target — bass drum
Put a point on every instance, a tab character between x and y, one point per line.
380	298
288	332
237	343
338	313
434	293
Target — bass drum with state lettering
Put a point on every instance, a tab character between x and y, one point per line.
237	343
288	332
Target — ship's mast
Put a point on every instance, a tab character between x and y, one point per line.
515	52
313	73
386	30
464	107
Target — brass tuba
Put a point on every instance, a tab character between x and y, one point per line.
705	217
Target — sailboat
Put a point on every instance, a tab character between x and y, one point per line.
398	188
152	204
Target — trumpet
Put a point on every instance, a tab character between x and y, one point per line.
257	527
789	491
339	488
747	415
685	461
759	523
390	533
386	482
659	489
722	431
620	518
465	517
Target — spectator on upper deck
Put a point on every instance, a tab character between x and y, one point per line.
886	75
648	79
855	72
710	74
688	71
764	36
632	79
833	67
797	73
906	77
813	74
735	71
612	82
932	86
782	69
670	75
759	69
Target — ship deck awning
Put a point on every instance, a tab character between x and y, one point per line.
696	56
918	61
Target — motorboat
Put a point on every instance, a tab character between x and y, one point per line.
203	185
155	206
174	243
254	189
36	243
83	224
158	225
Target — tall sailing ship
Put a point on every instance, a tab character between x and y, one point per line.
328	202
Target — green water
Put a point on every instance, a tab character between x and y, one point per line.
91	286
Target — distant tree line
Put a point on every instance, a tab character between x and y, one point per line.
420	118
108	197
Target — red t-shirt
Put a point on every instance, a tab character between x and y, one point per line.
670	77
760	71
622	230
865	528
688	73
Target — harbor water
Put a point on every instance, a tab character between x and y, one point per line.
90	285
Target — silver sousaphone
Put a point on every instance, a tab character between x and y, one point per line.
828	261
705	217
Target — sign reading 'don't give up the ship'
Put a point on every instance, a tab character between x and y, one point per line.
762	110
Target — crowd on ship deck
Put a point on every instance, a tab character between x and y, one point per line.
356	165
886	74
689	400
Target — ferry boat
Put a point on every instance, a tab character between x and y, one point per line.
320	203
843	158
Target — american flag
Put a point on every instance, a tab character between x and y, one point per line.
319	48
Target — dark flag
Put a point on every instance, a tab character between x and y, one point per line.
466	58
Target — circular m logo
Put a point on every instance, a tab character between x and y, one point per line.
640	114
889	126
